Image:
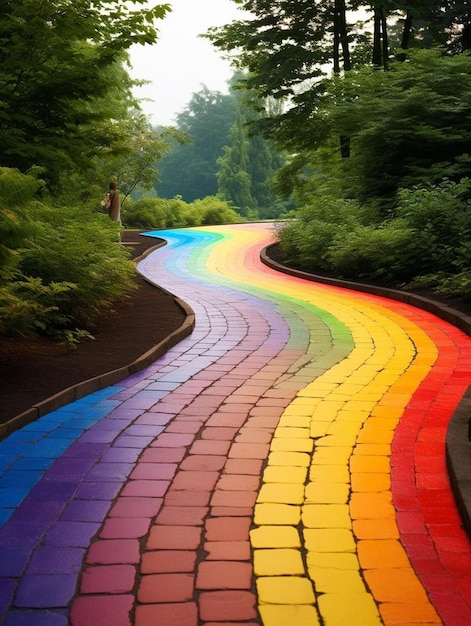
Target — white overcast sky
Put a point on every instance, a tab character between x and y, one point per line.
181	62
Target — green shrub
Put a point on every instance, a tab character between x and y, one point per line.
441	219
83	252
29	307
448	285
458	285
308	244
16	191
61	268
426	243
156	213
369	253
213	210
306	241
161	213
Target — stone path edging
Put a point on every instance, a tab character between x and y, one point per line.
79	390
444	312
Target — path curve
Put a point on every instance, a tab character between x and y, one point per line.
282	465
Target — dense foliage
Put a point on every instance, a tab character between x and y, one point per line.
286	48
221	157
425	244
248	166
408	126
63	88
176	213
376	118
68	125
60	271
189	170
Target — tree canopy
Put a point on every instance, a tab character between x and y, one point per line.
287	48
222	157
247	168
63	83
376	121
190	169
408	126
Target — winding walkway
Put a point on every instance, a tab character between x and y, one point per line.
283	465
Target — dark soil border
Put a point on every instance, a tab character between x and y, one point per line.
38	376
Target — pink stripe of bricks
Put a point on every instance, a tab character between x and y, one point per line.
174	549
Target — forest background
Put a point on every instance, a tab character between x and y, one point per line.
352	120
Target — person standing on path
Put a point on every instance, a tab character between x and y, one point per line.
114	206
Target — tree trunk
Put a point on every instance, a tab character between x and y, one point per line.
406	31
466	37
336	51
377	37
345	146
385	50
380	39
343	32
341	42
341	37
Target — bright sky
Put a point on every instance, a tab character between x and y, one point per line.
181	62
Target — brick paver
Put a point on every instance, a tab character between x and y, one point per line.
283	465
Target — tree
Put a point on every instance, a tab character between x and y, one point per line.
264	164
408	126
190	169
285	44
234	181
145	146
248	167
62	78
223	157
288	48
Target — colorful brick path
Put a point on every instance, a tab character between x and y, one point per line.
284	465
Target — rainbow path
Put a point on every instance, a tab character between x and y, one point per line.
283	465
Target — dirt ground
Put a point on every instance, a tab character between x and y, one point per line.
32	370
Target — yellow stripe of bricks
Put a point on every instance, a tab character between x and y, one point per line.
352	568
